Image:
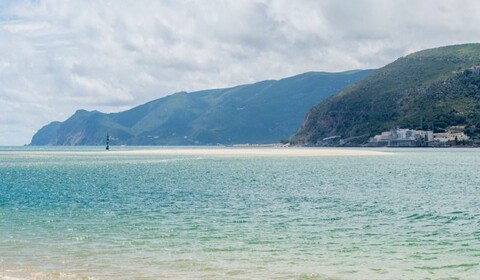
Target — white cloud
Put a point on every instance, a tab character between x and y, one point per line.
58	56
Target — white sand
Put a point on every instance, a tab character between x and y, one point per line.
214	151
236	152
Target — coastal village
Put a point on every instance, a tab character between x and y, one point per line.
401	137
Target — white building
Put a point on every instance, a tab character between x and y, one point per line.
401	137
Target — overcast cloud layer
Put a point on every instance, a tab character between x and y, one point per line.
57	56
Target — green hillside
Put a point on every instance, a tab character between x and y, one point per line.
263	112
431	88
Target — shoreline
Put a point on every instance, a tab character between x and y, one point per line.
294	152
225	152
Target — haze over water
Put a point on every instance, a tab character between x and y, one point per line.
86	214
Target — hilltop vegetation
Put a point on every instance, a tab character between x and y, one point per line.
263	112
429	89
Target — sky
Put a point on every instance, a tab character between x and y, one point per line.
57	56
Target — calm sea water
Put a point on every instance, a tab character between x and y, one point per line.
414	214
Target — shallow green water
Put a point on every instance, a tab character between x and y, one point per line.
411	215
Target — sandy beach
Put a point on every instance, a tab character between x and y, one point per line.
227	152
235	152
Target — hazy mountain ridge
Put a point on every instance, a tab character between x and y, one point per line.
262	112
429	89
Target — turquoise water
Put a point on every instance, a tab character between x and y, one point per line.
414	214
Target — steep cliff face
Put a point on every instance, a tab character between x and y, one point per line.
428	89
47	135
263	112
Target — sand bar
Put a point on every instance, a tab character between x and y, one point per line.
230	152
235	152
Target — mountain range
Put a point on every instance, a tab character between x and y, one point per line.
428	90
263	112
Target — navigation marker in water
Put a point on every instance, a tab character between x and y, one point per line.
108	142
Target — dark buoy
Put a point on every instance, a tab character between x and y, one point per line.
108	142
